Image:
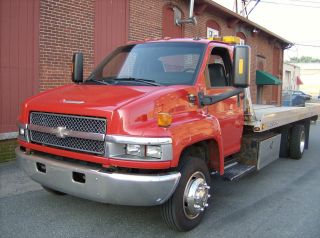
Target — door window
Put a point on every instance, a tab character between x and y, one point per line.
219	68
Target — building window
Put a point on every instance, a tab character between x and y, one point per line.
261	62
288	81
213	29
242	37
212	32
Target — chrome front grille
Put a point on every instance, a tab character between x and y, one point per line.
68	131
75	123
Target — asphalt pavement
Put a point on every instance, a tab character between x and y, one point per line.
282	200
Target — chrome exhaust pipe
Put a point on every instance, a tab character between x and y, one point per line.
191	18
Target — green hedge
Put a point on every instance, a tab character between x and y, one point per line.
7	150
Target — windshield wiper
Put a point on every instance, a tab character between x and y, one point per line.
92	79
146	81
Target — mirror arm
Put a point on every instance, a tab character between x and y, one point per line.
209	100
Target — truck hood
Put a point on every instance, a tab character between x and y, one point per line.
105	100
90	100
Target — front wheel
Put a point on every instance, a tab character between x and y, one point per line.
185	209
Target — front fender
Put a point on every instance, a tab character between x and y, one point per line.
185	133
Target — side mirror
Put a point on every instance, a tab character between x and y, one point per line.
241	66
77	68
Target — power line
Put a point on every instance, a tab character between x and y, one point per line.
318	46
306	1
304	42
303	1
253	7
290	4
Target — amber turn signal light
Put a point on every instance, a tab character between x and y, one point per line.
164	119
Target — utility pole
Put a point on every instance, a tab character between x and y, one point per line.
235	7
244	7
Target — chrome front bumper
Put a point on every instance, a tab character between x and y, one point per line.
99	185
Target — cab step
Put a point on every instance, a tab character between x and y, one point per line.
236	170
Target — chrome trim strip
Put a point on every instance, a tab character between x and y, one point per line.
70	115
138	140
67	133
100	185
72	101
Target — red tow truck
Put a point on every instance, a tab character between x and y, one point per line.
152	122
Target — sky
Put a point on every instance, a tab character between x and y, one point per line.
295	20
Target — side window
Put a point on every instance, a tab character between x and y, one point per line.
219	68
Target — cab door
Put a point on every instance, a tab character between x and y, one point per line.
229	112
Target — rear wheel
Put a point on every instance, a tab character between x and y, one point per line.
284	144
52	191
297	141
185	209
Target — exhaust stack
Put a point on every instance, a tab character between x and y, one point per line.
191	18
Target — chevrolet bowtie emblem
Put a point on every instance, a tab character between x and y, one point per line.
61	132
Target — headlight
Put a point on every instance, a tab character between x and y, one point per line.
137	150
23	132
154	151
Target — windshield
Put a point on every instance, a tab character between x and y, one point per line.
169	63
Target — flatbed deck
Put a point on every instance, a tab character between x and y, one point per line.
268	117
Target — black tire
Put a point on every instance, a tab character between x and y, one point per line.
52	191
174	210
284	144
297	141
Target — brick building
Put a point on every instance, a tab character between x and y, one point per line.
38	38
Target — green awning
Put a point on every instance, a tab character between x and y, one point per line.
264	78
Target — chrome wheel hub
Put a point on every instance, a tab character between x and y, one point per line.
196	195
302	141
